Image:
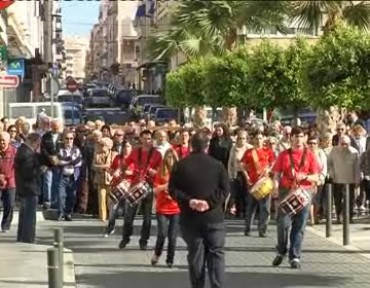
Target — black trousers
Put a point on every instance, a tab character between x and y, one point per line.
206	247
27	219
338	192
130	213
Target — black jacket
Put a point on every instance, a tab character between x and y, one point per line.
199	176
27	172
48	148
219	148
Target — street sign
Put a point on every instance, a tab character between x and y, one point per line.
53	86
72	85
9	81
16	67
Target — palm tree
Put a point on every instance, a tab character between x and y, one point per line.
313	14
199	28
327	14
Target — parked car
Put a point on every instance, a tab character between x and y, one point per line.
152	109
165	114
138	102
123	98
99	97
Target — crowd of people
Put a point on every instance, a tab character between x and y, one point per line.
74	170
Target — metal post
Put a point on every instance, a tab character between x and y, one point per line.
58	244
346	216
52	95
54	280
329	220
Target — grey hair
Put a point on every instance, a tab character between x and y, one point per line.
5	135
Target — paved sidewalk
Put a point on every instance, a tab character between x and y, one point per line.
25	265
359	235
99	263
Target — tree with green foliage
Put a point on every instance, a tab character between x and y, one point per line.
267	80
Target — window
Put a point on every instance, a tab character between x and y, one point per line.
16	112
47	109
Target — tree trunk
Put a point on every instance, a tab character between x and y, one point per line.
327	120
200	114
230	116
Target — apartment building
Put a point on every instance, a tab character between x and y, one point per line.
76	51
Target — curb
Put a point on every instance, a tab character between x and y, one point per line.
39	217
69	269
338	242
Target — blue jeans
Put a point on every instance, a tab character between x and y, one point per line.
50	181
167	227
8	198
66	195
27	219
296	224
264	213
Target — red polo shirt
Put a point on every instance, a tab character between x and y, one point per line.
140	169
164	204
283	167
7	165
182	151
265	158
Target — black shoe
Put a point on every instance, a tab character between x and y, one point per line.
143	247
154	260
262	234
169	264
68	218
295	264
123	244
277	260
247	233
60	218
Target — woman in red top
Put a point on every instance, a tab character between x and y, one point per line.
167	210
116	170
183	148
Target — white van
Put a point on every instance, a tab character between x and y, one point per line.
30	110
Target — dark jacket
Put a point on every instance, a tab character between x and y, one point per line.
49	148
27	172
219	148
199	176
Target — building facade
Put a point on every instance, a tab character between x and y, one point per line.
76	49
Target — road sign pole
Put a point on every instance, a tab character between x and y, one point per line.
52	96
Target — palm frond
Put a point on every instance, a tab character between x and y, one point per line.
357	14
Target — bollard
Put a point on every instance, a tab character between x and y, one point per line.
59	245
54	280
329	205
346	215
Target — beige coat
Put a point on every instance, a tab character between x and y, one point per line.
100	160
344	165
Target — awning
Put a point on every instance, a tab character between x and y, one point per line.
17	45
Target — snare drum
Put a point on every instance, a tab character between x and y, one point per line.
138	192
119	191
295	201
262	188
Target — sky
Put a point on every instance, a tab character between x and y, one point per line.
78	17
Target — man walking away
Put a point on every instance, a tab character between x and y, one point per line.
28	186
201	186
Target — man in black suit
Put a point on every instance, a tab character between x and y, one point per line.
50	144
201	186
28	186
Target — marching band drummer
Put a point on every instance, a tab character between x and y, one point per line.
255	164
146	161
116	170
297	166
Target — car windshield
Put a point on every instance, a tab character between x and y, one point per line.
69	98
100	93
152	109
167	113
148	100
16	112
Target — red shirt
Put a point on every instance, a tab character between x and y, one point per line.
265	158
140	169
164	204
182	151
7	166
283	166
118	163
